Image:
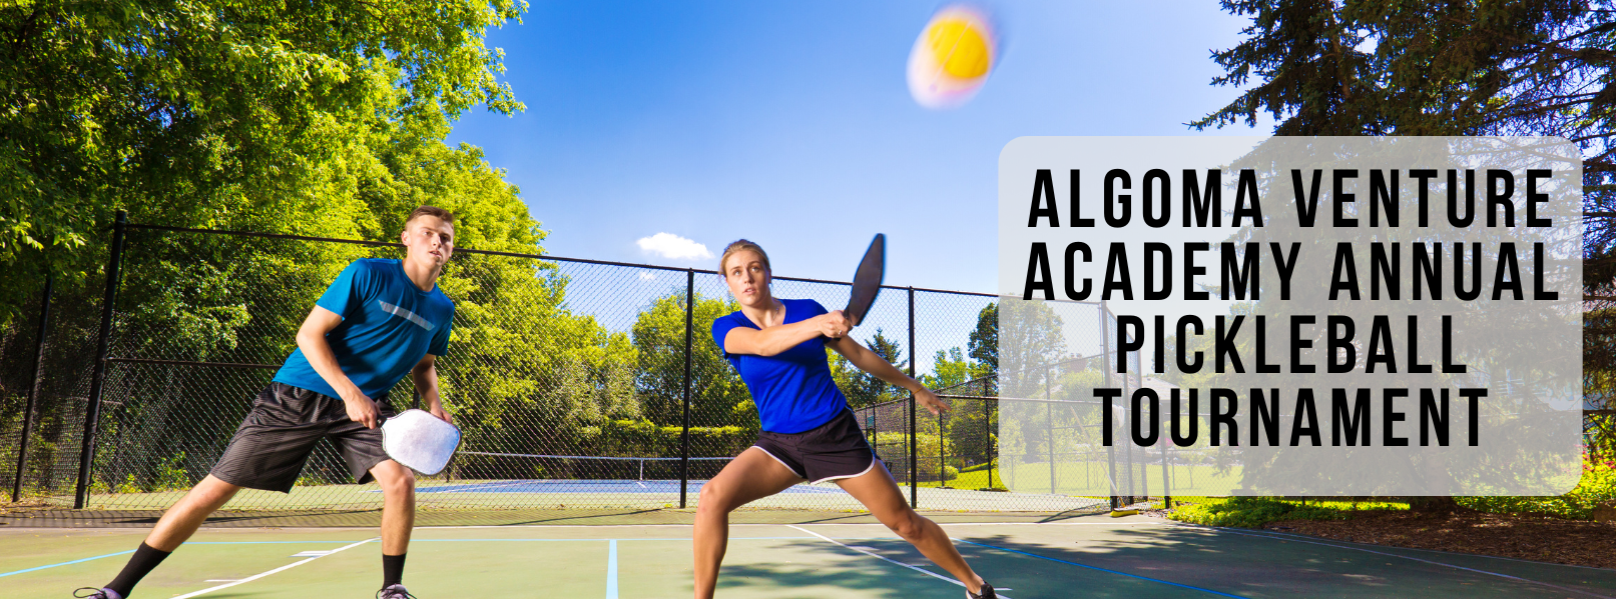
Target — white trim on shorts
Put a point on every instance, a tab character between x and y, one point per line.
837	477
780	461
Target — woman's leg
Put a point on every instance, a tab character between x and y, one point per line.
877	490
749	477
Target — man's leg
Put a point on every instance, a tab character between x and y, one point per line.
399	515
176	526
183	519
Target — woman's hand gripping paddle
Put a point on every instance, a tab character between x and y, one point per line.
421	441
868	282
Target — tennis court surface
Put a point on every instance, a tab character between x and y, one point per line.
1088	556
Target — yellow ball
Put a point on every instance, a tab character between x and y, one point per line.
952	57
959	47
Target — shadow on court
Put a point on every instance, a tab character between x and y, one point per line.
1079	557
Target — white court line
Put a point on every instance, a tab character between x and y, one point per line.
613	570
885	558
272	571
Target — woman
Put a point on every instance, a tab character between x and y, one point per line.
809	433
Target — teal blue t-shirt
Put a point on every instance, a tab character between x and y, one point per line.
794	390
388	326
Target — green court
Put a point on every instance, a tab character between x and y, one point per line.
1089	556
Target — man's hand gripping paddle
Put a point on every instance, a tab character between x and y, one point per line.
868	282
421	441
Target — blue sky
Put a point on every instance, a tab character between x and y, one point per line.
791	124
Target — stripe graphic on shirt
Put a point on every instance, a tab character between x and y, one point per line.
408	315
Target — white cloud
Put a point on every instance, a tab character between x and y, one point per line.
669	245
647	276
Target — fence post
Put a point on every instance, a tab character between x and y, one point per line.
33	386
686	392
92	412
1108	410
1165	465
1051	436
989	450
911	370
941	418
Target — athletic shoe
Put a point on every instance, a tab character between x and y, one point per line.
96	593
394	592
985	591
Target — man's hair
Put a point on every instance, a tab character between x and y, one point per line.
432	211
739	246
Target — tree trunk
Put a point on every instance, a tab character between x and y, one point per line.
1433	504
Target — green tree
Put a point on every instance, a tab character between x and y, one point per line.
862	388
718	395
325	119
983	340
1429	67
950	368
223	114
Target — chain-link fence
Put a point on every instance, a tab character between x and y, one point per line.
578	384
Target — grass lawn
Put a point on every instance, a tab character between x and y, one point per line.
1077	478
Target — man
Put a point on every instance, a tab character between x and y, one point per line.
381	319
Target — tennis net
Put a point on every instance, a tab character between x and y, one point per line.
506	465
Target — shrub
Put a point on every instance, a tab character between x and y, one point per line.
1253	512
1596	487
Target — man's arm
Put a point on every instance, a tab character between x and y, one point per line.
426	377
312	340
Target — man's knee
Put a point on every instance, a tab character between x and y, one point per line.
394	479
212	491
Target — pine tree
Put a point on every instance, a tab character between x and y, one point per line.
1433	67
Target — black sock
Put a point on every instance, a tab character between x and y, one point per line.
393	569
145	559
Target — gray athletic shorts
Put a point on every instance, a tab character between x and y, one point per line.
270	448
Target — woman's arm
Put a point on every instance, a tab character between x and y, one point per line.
869	361
776	339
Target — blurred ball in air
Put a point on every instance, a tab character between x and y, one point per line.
952	57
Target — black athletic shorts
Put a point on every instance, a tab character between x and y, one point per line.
835	450
275	440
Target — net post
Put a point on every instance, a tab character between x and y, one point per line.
686	392
33	385
911	371
1107	411
92	413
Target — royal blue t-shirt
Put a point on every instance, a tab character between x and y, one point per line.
388	325
794	390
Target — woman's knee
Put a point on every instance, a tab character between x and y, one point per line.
714	498
907	524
